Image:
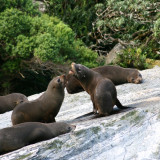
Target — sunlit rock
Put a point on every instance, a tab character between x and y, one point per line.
131	134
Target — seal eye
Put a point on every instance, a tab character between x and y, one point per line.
58	80
140	75
69	128
79	69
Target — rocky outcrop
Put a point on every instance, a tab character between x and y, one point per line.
131	134
113	54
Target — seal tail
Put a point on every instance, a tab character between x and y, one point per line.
119	105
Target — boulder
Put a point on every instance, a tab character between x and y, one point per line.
112	55
130	134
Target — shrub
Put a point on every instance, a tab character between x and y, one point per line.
22	5
79	53
133	58
79	15
157	27
24	37
120	21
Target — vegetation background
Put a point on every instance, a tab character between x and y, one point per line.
37	45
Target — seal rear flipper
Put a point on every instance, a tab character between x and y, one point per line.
119	105
117	111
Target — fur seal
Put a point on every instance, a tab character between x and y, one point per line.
20	135
102	90
45	108
118	75
10	101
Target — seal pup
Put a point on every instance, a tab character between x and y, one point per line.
101	90
20	135
10	101
45	108
118	75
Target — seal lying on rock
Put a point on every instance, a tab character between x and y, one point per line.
10	101
43	109
102	90
21	135
116	74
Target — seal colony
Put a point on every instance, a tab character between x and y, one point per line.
43	109
27	116
102	90
23	134
118	75
10	101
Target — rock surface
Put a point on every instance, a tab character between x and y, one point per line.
132	134
112	55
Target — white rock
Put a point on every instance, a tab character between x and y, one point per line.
134	134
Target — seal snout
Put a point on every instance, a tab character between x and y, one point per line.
72	64
138	80
63	79
72	71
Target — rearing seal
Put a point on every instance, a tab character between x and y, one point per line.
43	109
102	90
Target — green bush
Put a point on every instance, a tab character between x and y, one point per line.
102	24
43	37
22	5
133	58
79	53
24	37
120	21
157	27
51	35
79	15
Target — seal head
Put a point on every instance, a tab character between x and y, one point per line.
134	77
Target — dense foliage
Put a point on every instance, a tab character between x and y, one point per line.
108	22
26	35
79	15
125	21
22	5
132	58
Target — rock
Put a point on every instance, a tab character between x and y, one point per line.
112	55
132	134
41	5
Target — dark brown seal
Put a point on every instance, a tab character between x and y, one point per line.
23	134
10	101
43	109
116	74
102	90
